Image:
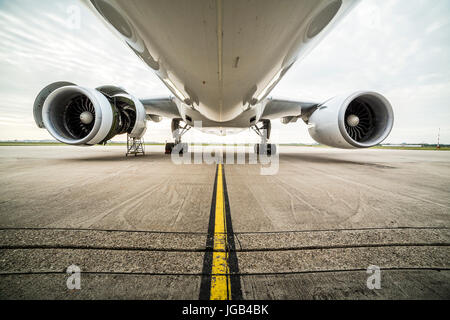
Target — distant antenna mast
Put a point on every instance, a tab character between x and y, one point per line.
439	137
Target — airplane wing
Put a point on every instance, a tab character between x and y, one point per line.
161	107
286	110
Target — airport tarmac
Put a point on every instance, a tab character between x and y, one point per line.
138	227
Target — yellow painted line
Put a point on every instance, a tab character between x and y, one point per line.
220	281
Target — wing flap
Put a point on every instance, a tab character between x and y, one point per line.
161	106
280	108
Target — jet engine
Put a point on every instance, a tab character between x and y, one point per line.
82	116
359	120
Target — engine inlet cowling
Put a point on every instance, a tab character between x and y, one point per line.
360	120
82	116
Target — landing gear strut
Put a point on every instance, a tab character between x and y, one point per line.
264	148
177	132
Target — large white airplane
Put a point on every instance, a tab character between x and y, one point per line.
220	59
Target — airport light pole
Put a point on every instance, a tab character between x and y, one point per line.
439	136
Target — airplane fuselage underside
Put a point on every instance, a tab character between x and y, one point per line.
221	57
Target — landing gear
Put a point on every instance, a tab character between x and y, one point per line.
169	147
180	147
264	148
177	132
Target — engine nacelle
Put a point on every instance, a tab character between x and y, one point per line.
82	116
361	120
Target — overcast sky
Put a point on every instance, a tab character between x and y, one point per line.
400	48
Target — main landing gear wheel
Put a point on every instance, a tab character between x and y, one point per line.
180	148
169	147
265	149
177	132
